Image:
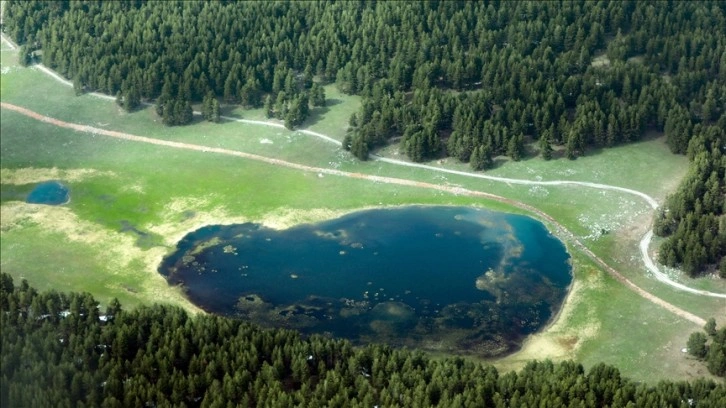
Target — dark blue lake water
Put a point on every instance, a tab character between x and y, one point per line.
50	193
453	279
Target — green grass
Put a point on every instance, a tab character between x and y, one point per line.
164	192
629	333
66	267
635	336
632	166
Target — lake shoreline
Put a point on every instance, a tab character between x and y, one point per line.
472	219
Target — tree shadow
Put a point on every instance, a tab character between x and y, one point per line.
332	102
498	162
316	115
196	119
649	135
228	110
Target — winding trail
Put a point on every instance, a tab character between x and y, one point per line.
380	179
8	42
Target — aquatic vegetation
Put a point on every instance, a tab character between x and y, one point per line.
407	276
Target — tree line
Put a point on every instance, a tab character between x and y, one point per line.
694	217
468	80
62	349
509	72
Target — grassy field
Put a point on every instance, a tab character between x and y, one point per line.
132	202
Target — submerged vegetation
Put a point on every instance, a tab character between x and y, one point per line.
60	349
412	276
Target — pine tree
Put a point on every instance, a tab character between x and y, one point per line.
475	161
186	113
25	55
571	147
697	345
481	157
215	115
230	89
207	106
268	107
318	95
131	98
545	146
359	148
307	81
281	105
515	147
717	355
710	327
77	85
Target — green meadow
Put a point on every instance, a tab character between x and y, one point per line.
131	202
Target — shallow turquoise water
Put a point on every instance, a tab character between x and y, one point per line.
459	279
50	193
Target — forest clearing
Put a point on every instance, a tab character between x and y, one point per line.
457	190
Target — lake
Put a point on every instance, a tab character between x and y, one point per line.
451	279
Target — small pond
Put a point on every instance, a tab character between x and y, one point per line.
49	193
452	279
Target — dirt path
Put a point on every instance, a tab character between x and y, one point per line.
380	179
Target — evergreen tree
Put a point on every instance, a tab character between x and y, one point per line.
157	355
269	107
545	146
77	85
131	98
515	147
230	89
119	99
318	95
210	108
215	115
359	148
710	327
716	361
281	105
571	146
697	345
481	158
25	55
